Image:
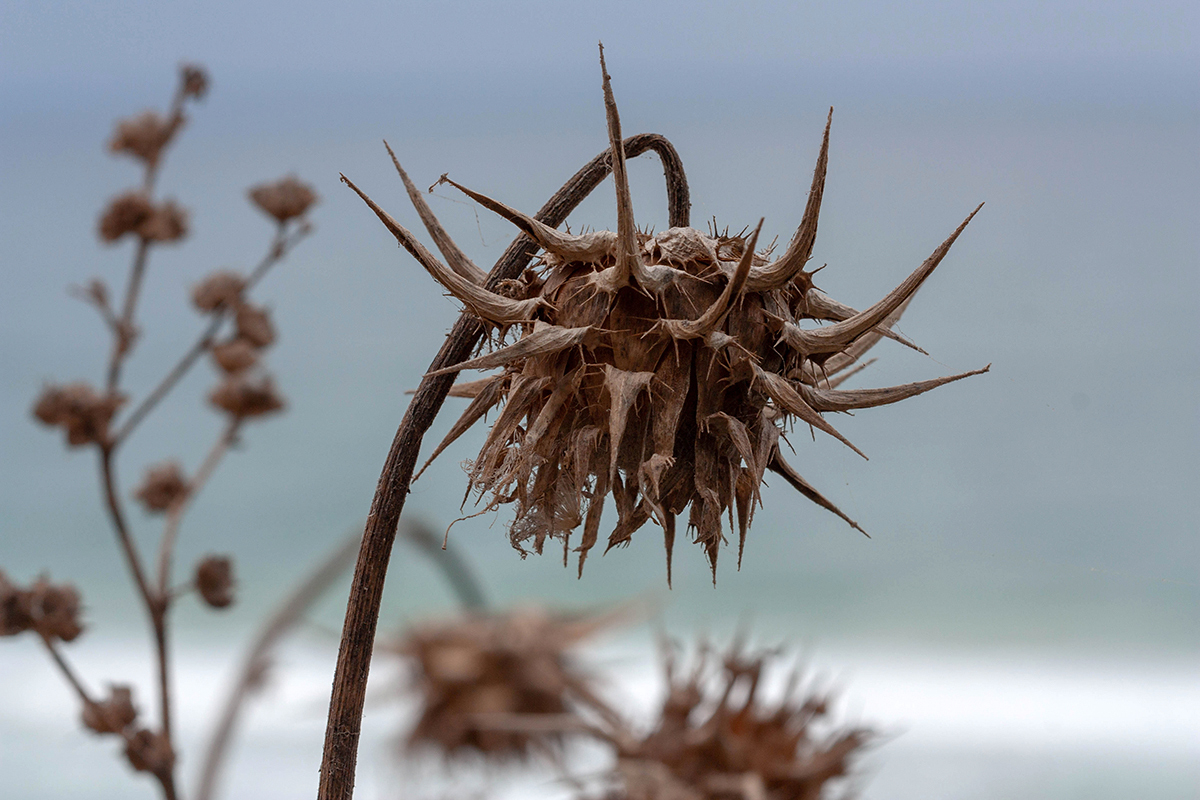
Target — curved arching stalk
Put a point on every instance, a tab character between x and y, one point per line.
362	609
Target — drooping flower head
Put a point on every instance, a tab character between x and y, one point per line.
658	370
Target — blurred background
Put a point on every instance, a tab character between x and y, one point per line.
1024	621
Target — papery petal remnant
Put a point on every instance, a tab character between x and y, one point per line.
659	369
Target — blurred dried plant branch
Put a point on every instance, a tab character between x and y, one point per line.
91	417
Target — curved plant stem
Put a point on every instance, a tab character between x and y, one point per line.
366	591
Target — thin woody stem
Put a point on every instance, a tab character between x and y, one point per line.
281	244
362	608
176	511
123	330
67	671
115	513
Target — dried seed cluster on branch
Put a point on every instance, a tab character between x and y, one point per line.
82	412
51	611
718	738
502	686
659	369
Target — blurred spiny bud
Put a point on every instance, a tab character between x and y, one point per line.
54	610
14	608
234	356
163	486
218	289
254	325
479	677
126	213
193	81
145	136
80	410
284	199
149	752
167	223
244	396
112	715
717	738
214	581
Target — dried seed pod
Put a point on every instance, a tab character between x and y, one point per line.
80	410
244	396
214	581
125	213
167	223
54	610
148	751
163	485
283	199
234	356
716	739
218	289
14	608
253	324
661	370
501	685
145	136
112	715
193	81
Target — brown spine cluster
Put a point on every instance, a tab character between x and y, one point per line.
661	370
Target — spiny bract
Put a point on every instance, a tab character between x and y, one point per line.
661	369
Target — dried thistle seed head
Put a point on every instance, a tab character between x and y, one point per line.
222	288
145	136
112	715
284	199
214	581
253	325
718	737
245	396
80	410
54	610
162	486
234	356
15	612
124	214
502	686
661	370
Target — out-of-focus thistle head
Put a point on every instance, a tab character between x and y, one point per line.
718	737
659	369
503	686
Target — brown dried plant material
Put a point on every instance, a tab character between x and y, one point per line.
54	610
112	715
503	686
167	223
283	199
222	288
149	752
245	396
234	356
145	136
719	738
214	581
253	325
124	214
163	486
80	410
14	608
193	81
659	369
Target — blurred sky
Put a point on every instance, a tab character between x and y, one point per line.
1061	483
1049	506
